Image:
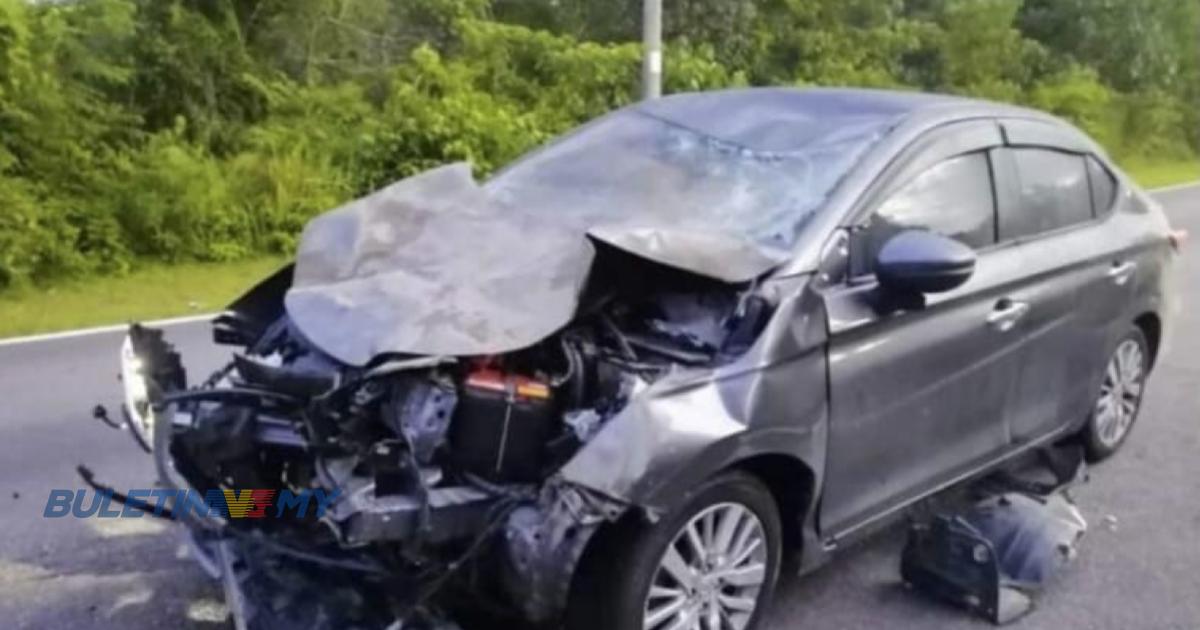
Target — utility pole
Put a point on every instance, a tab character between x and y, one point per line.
652	57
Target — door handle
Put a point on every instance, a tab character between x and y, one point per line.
1006	314
1121	272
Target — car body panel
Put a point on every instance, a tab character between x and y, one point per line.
691	424
918	396
1042	378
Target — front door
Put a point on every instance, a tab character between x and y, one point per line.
918	391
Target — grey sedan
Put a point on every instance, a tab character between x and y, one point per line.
614	385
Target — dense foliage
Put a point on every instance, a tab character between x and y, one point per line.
135	130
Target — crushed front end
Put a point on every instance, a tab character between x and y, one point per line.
414	489
452	390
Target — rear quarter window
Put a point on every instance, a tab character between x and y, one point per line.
1055	192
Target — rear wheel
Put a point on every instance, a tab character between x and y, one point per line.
711	564
1120	397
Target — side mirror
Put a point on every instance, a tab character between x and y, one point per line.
916	261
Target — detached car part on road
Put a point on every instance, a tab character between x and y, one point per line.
614	384
1016	532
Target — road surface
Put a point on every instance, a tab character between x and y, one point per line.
1144	573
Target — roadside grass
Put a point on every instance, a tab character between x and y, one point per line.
162	291
152	292
1159	174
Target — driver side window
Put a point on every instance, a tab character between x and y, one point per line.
954	198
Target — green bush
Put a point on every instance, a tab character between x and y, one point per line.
1153	125
1078	95
278	193
174	203
176	130
36	240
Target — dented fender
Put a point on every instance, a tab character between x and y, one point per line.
694	423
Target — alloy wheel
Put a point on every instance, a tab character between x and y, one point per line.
1121	393
711	575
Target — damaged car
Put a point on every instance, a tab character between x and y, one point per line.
623	381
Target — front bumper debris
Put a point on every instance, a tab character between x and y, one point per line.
992	556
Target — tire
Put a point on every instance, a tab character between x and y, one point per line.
612	591
1120	398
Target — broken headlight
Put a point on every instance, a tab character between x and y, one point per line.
139	414
150	367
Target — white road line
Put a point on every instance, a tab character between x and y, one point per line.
82	332
1165	189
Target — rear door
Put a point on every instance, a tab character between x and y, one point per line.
918	391
1076	279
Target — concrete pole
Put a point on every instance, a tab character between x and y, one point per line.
652	57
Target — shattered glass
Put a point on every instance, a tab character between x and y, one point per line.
437	264
636	169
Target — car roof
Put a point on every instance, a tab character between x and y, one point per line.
790	119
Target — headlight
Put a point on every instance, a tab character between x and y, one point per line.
138	411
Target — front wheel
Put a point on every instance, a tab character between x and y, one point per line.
1120	397
711	564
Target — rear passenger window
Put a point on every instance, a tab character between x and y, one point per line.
953	198
1104	187
1055	193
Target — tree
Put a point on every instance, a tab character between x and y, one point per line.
213	129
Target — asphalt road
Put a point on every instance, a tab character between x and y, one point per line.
1144	573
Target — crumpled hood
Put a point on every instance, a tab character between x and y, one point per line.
435	264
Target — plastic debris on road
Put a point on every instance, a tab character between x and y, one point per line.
992	556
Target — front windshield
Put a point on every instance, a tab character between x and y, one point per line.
633	168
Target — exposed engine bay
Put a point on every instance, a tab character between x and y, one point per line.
442	471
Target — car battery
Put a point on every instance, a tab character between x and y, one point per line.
501	426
